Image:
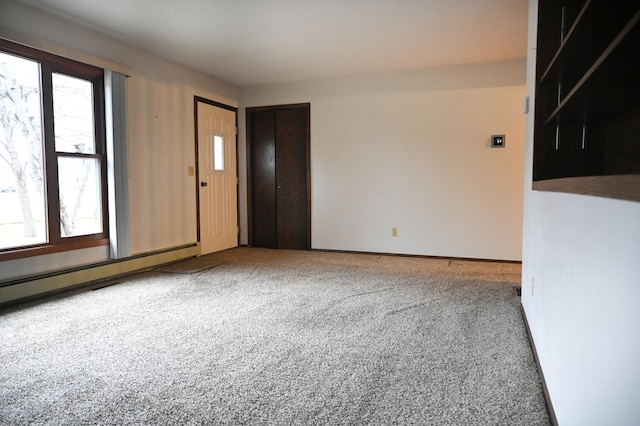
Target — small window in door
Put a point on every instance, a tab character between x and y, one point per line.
218	153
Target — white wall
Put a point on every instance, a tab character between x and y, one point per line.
580	291
411	150
161	133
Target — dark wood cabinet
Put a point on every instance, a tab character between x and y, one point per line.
278	165
587	117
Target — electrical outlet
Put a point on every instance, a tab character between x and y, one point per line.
533	286
394	232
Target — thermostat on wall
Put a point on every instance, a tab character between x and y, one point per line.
497	141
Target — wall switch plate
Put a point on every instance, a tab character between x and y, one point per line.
525	105
497	141
394	232
190	171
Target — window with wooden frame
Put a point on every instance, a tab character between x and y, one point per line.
52	153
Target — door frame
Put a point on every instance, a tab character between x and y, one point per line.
197	99
248	111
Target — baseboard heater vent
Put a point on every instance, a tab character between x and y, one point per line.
27	288
104	285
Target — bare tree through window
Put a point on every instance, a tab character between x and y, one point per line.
50	180
22	221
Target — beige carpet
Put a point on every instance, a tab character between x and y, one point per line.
254	336
504	272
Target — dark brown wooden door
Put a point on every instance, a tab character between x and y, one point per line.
278	148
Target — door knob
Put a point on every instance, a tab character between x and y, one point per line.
203	184
279	186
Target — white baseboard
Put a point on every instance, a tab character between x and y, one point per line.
545	390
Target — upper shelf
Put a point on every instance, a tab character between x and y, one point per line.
610	85
596	25
622	187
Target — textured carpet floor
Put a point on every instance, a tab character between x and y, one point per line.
253	336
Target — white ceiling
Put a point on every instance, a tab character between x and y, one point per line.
248	42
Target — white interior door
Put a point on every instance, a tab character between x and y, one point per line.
217	183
